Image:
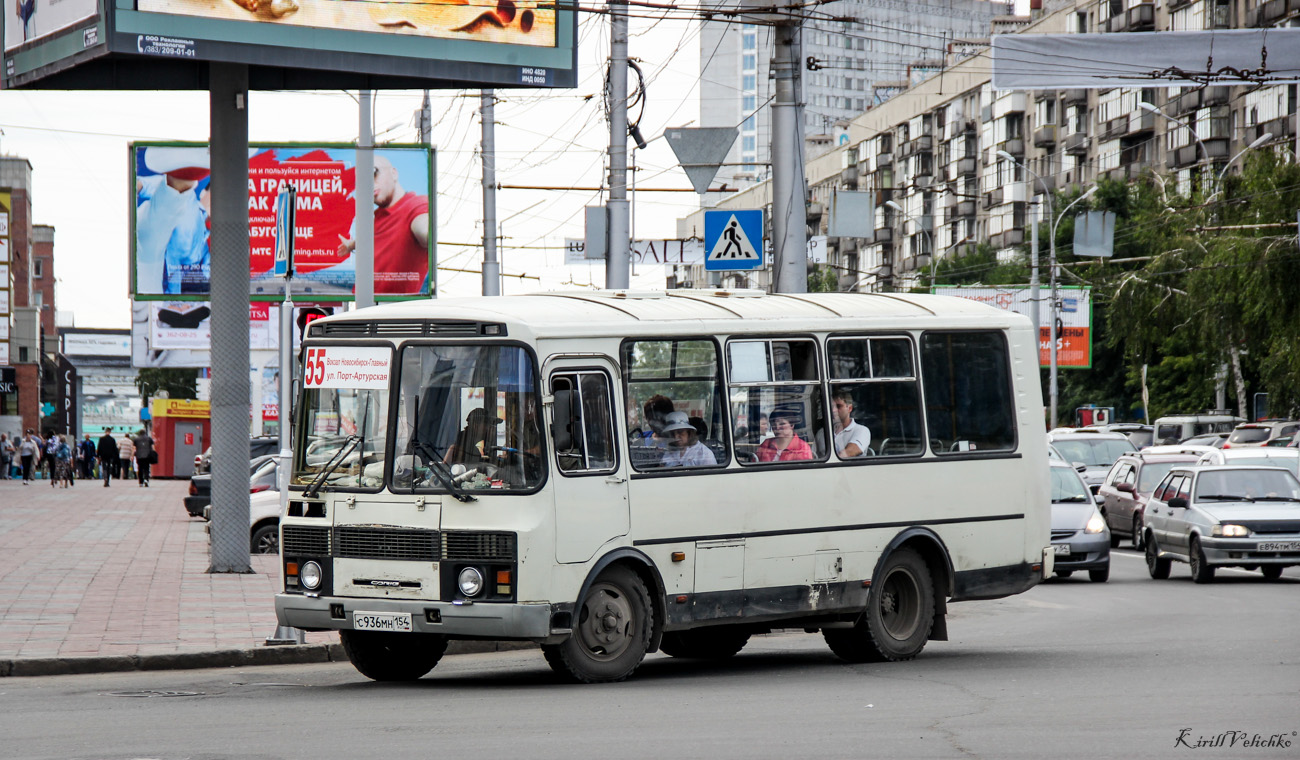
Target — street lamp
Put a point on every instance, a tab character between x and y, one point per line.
1056	303
1258	141
1034	294
934	259
1145	106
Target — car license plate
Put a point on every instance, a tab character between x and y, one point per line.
1062	549
397	622
1279	546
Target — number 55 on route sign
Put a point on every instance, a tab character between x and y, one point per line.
733	239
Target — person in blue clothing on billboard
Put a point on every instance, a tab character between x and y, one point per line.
172	221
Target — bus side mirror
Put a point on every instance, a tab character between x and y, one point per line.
562	412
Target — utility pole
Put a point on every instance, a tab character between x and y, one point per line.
789	188
618	257
424	120
491	267
364	228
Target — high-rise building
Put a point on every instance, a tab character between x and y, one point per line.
848	67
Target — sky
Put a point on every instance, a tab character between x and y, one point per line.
77	143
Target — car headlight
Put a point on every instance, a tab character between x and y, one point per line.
1232	531
310	576
1095	524
471	581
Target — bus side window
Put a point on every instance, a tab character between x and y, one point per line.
968	404
664	376
777	380
879	375
583	431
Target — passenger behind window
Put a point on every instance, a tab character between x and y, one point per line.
684	448
475	443
851	439
784	446
648	443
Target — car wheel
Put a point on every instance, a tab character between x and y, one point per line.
706	644
1157	566
1137	533
266	540
898	618
1271	572
612	631
1064	573
393	656
1114	538
1202	571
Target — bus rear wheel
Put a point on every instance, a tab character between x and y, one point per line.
898	618
611	633
705	644
383	656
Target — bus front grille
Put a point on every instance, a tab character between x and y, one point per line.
306	540
386	543
478	546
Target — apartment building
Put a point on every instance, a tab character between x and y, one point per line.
943	161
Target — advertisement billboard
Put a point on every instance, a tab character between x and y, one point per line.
289	44
170	226
178	333
1074	342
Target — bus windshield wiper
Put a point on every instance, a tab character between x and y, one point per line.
438	467
348	445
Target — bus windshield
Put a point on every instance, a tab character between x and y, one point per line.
345	432
467	420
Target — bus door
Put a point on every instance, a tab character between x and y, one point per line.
590	483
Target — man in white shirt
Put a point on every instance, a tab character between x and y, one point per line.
851	439
684	448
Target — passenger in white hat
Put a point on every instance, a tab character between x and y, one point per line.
684	447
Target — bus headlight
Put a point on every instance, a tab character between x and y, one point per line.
310	576
471	581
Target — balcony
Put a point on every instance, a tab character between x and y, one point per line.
966	166
1139	18
849	175
1214	96
1281	127
1141	121
965	208
1177	158
922	144
1015	236
1271	12
883	235
992	198
1015	146
1076	97
1076	143
1113	128
884	161
1045	136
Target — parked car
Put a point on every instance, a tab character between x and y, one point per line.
1178	428
1079	535
1260	433
257	446
264	472
1129	484
1141	435
1212	517
263	522
1215	440
1097	451
1255	455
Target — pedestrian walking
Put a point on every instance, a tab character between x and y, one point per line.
49	454
62	474
144	456
125	455
7	453
27	452
107	452
87	458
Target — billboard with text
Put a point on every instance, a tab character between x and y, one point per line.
171	256
1074	325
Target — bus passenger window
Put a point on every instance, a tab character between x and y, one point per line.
776	401
968	403
672	384
584	422
874	381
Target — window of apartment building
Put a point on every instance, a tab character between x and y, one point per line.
749	61
749	144
1081	22
749	125
749	82
748	103
38	267
860	104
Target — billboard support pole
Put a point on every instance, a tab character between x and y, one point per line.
365	214
789	188
618	230
491	266
228	102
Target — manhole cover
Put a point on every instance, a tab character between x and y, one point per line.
155	693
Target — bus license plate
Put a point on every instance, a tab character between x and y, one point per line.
396	622
1279	546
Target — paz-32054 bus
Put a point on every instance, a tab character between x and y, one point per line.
610	474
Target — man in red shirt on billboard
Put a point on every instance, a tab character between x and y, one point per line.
401	234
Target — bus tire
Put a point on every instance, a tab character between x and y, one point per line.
611	631
704	644
383	656
898	618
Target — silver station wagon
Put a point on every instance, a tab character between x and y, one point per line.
1212	517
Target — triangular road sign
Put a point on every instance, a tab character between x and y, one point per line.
700	151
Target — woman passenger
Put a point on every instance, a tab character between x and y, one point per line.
784	446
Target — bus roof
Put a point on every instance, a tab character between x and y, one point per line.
618	312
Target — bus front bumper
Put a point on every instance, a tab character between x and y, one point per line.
521	621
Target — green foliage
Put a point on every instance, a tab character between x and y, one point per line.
822	280
179	383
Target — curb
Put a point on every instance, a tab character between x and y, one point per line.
294	654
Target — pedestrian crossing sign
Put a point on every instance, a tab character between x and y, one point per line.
733	239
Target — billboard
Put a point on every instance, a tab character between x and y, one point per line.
178	333
289	44
170	226
1074	343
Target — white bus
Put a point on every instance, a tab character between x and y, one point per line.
610	474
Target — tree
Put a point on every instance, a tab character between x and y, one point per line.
178	383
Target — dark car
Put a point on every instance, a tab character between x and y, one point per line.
1079	535
257	447
1128	485
263	472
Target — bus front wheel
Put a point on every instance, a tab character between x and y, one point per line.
393	656
611	633
898	618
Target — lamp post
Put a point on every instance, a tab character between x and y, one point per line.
1258	141
1052	386
933	257
1145	106
1034	295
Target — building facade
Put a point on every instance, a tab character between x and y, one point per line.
21	318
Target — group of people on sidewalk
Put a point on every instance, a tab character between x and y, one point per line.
64	459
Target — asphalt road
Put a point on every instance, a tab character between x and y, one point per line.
1072	669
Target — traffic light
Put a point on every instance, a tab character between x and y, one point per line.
309	314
